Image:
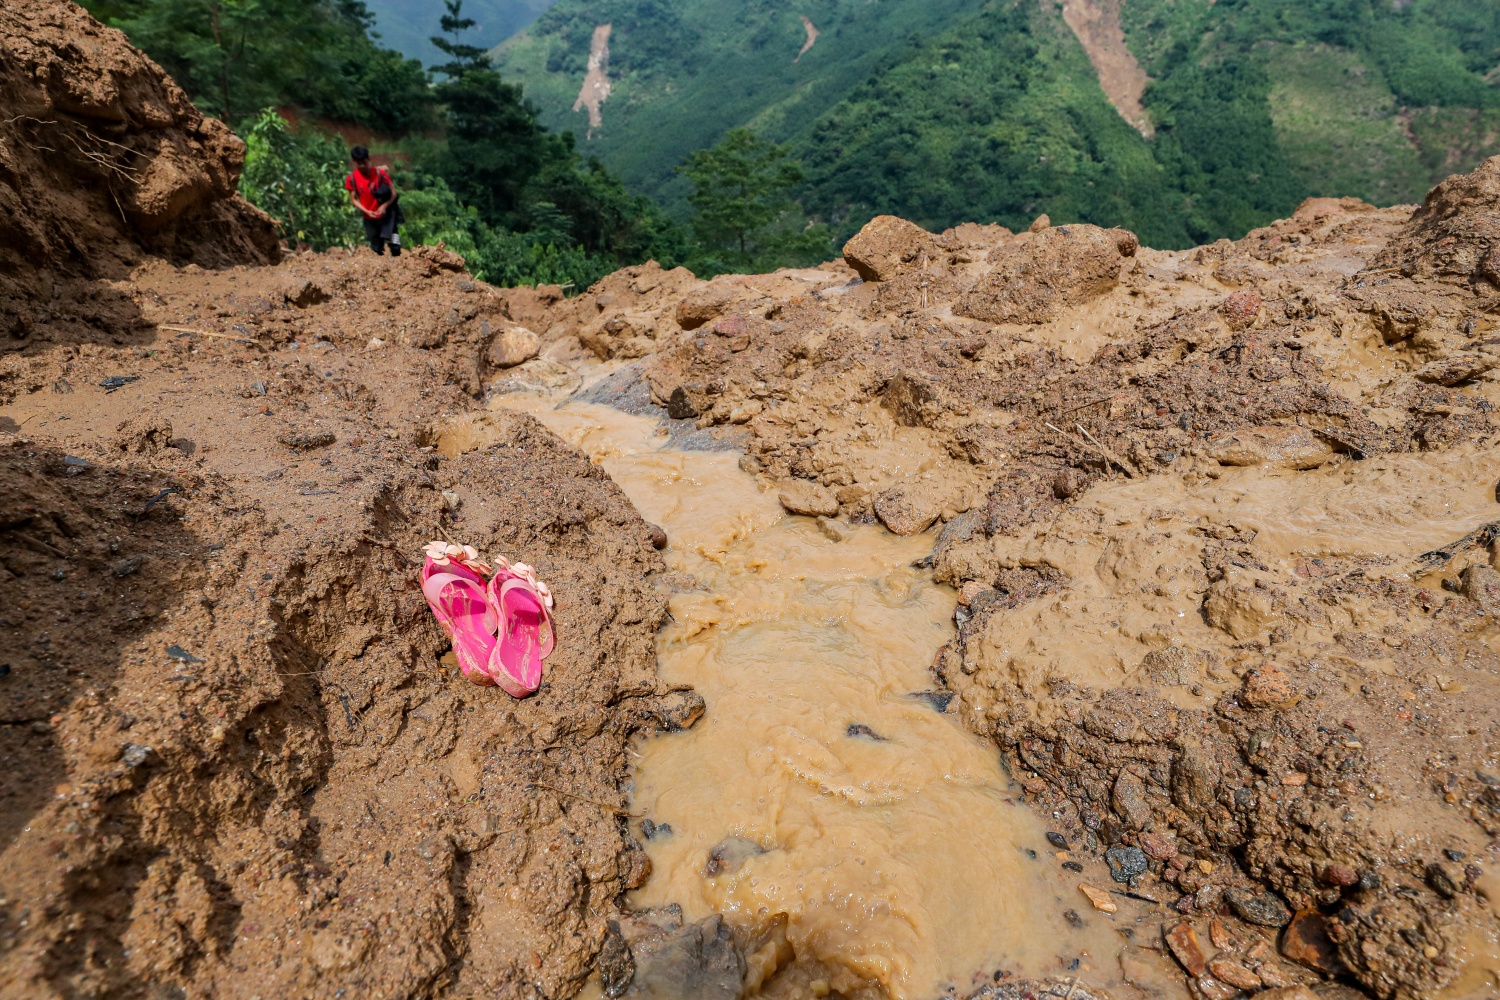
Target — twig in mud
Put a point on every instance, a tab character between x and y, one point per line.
1081	406
156	500
1108	455
39	545
584	798
204	333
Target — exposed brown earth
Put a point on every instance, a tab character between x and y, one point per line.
1097	25
1221	523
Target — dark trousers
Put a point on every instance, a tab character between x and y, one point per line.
377	241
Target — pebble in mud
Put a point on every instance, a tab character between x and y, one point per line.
861	731
651	830
1126	863
1258	908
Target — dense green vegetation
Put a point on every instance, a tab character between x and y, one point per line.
949	111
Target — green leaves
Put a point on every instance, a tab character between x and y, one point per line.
298	178
746	218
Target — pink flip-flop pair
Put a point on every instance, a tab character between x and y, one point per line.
501	626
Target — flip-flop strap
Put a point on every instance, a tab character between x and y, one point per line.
545	637
435	587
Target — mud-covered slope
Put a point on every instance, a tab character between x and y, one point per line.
103	161
1222	523
235	761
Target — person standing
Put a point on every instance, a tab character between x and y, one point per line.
374	194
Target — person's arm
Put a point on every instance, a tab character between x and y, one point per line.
354	200
380	209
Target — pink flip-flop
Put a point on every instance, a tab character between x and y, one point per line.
522	605
454	585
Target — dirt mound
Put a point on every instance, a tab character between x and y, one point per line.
1110	458
103	160
238	764
1455	235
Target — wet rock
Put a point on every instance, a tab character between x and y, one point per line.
1481	584
1057	840
1258	907
1209	988
939	700
904	512
832	530
1129	801
686	401
680	710
1174	666
658	536
859	730
1098	898
1298	992
135	755
1240	309
1183	941
803	496
1442	881
1065	484
1238	607
1457	368
1306	942
887	247
1126	863
1032	281
729	854
1159	846
512	346
1268	686
616	965
695	962
652	830
1282	447
1337	875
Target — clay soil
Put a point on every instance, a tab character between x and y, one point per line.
237	762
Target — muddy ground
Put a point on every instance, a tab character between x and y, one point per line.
1217	520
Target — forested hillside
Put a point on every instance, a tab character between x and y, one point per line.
957	109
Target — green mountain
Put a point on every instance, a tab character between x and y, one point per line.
407	25
1186	120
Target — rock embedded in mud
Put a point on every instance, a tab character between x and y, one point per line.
512	346
616	965
1160	846
1268	686
1034	280
1258	907
703	305
695	962
888	247
1297	992
1457	368
904	512
307	440
832	530
1183	940
1099	898
1481	584
803	496
1306	942
1240	309
1129	801
1282	447
303	292
1126	863
729	854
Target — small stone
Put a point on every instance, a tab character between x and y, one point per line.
1268	686
1183	940
1057	840
888	247
859	730
658	536
1211	989
1338	875
969	590
1298	992
832	530
135	755
1233	973
1220	936
904	514
1305	941
616	965
125	567
305	440
1294	779
1072	917
513	346
1258	908
802	496
1098	897
1240	309
74	462
1481	584
1126	863
181	655
451	501
1041	222
1441	880
750	464
1160	846
1129	801
1065	484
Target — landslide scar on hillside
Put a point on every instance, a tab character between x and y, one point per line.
1097	25
595	90
812	37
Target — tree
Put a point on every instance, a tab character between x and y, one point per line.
745	213
464	57
298	178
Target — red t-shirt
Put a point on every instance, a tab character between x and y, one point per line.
364	187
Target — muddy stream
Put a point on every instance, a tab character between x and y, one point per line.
862	840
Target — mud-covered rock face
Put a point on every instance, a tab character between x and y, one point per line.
103	159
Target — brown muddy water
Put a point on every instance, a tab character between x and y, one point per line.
866	842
